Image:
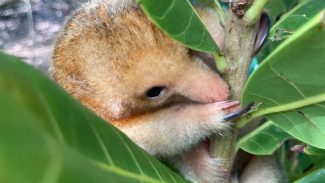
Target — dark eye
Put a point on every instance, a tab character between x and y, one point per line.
155	91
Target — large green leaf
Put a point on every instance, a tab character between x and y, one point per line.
276	8
264	140
310	150
297	165
301	164
294	19
180	21
289	22
317	176
46	136
291	78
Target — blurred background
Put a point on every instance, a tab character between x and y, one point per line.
28	28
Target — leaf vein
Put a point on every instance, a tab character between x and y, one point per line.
187	26
263	97
258	145
292	84
311	122
126	173
130	151
49	114
102	145
270	135
294	127
170	7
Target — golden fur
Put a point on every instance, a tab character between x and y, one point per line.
109	55
120	44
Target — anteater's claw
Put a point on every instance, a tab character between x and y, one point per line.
234	115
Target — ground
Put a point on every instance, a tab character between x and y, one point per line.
28	28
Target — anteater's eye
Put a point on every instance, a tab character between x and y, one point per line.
155	92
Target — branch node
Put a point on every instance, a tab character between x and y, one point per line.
254	12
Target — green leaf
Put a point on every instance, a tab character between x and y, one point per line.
276	8
289	22
310	150
299	163
264	140
47	136
290	79
180	21
317	176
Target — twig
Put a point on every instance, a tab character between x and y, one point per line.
254	12
239	46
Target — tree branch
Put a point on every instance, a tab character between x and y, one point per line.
238	50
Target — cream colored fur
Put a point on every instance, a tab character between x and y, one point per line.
109	55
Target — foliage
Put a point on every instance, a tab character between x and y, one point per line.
289	87
289	79
289	21
264	140
186	28
47	136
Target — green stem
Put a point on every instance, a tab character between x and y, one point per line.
285	107
254	12
220	62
